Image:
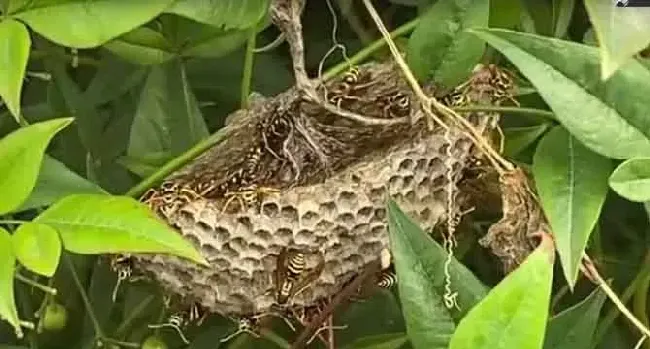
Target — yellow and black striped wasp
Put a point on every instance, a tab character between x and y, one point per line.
291	276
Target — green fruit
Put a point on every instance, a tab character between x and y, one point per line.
154	342
54	318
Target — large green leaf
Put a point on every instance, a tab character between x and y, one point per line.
540	14
56	181
168	119
227	14
562	14
572	185
439	48
14	52
514	313
21	154
574	327
621	32
37	247
142	45
609	118
419	263
631	179
86	24
92	224
518	139
8	311
505	13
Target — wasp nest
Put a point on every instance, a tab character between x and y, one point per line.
291	175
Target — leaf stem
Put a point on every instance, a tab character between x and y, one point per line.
12	221
49	290
640	302
99	333
528	111
177	162
370	49
609	318
249	63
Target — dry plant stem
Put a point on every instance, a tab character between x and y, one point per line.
590	271
424	99
340	297
286	15
499	163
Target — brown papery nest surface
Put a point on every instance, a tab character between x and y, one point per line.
292	176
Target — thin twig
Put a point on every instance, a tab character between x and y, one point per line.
340	297
590	271
500	164
424	99
249	61
99	333
49	290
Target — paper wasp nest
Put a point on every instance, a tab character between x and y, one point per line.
331	197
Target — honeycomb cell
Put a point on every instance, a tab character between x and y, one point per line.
309	218
406	165
327	209
347	200
304	236
380	214
289	213
270	209
346	219
364	213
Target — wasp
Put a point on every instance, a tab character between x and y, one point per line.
123	266
248	325
346	88
178	320
386	280
291	276
395	105
247	197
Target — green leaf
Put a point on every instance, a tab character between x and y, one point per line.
505	13
168	119
8	311
574	327
142	45
87	224
572	184
514	313
621	33
419	263
37	247
382	341
609	118
541	14
22	153
517	139
562	13
14	52
56	181
226	14
215	45
87	24
631	179
439	48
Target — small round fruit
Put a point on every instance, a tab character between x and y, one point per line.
55	317
154	342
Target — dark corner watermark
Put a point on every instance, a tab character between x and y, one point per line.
632	3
